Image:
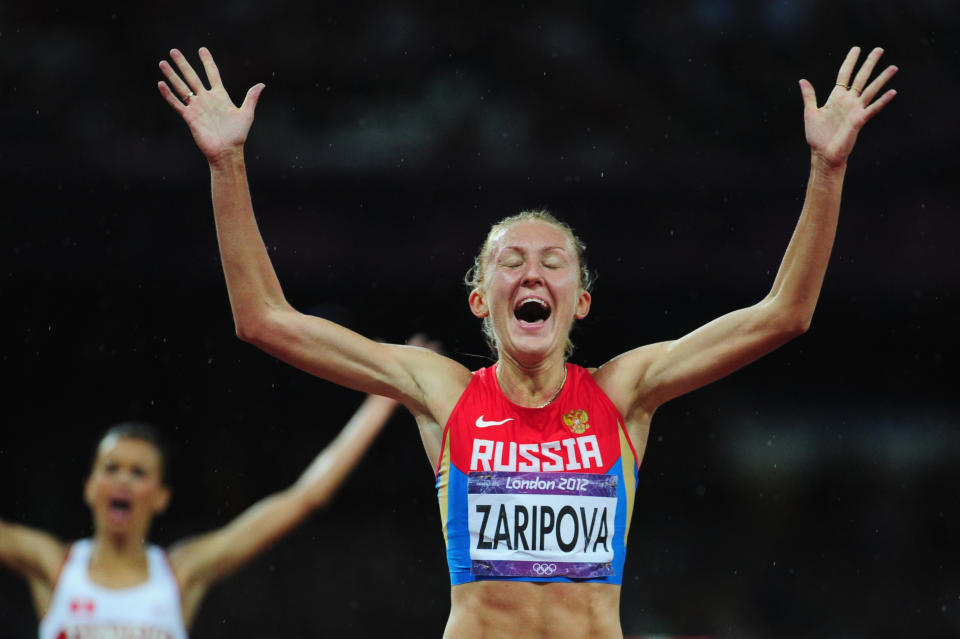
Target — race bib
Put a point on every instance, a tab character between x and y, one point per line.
541	524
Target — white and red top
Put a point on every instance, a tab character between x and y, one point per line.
81	609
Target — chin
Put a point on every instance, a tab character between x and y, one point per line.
530	347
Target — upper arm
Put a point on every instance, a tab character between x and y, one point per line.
415	376
35	554
646	377
202	560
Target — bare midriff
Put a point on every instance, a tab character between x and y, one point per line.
553	610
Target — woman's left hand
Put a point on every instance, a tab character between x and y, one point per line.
832	129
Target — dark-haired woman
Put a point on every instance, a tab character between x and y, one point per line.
116	584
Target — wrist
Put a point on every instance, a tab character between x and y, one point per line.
821	164
227	160
824	175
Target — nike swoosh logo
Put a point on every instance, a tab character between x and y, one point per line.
481	423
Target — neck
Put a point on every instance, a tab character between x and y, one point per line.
118	565
117	549
534	386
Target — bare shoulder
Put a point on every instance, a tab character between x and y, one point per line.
440	384
440	381
184	560
35	554
622	378
183	556
180	551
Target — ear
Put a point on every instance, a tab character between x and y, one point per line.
478	305
161	500
583	305
88	490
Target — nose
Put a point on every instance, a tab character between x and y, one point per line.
532	274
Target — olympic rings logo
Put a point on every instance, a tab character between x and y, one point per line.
544	569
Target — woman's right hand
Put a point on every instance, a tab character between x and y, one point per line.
217	125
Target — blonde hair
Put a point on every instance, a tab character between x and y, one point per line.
474	279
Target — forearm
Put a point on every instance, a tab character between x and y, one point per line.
212	556
252	283
324	476
799	279
831	131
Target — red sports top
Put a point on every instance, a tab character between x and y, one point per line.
536	494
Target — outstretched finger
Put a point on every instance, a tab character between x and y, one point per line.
863	75
809	96
176	83
213	73
187	71
252	97
171	99
874	87
874	108
846	69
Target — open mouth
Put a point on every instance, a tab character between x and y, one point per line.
120	508
532	310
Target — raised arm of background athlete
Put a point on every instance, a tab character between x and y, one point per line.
640	380
201	561
429	384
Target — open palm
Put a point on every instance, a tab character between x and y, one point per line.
217	125
832	129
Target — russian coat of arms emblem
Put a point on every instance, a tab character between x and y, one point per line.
576	421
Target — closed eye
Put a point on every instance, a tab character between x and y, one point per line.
553	262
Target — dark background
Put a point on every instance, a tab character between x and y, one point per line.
812	494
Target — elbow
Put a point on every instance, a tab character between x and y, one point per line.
792	325
256	328
247	329
319	502
309	500
797	327
788	321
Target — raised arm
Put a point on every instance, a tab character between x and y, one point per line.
262	315
642	379
35	555
201	561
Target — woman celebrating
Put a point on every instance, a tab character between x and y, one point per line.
536	458
115	584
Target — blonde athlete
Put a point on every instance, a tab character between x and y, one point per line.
535	457
116	584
